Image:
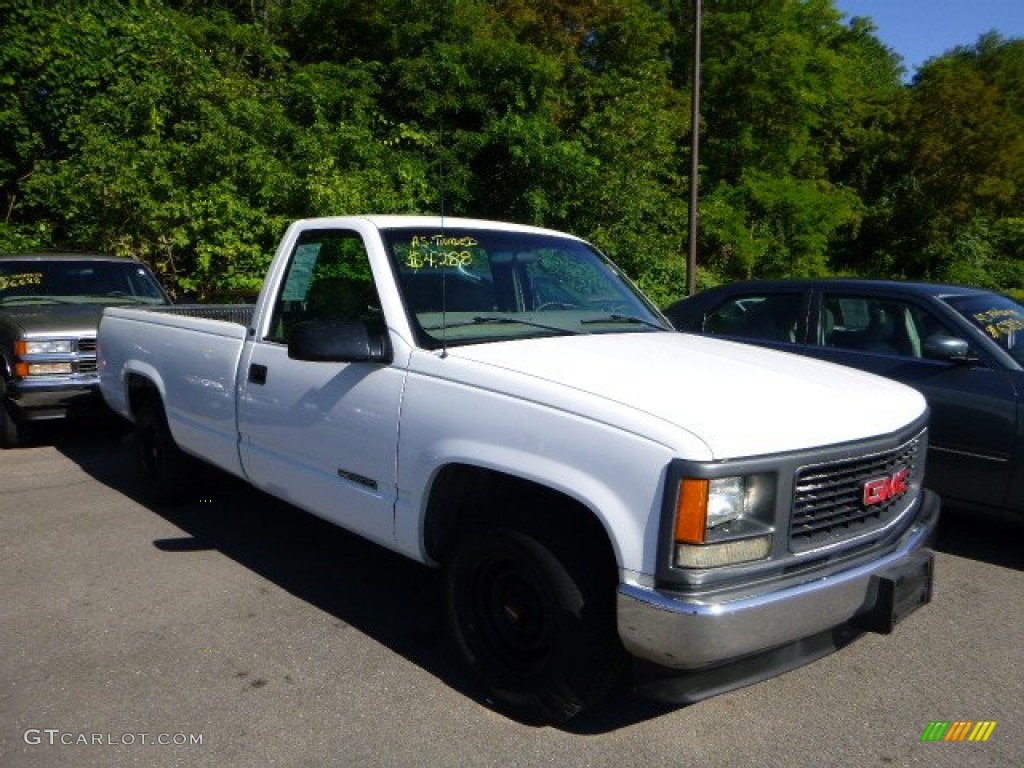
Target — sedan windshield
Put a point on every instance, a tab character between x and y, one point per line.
66	281
1000	317
463	286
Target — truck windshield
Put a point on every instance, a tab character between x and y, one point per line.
1000	317
66	281
465	286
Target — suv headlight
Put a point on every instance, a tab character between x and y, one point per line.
722	521
45	347
31	357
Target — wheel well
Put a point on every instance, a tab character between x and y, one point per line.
464	497
140	390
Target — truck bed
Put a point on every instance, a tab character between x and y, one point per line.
190	354
231	313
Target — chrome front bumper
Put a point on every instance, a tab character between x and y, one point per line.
672	631
53	397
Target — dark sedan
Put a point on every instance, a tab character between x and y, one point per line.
963	348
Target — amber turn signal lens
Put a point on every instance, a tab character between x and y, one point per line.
692	510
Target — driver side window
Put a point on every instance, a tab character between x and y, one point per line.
328	278
879	325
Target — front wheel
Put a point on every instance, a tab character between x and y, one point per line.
13	432
534	622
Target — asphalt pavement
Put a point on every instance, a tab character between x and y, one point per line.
238	631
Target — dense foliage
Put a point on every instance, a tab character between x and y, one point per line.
188	133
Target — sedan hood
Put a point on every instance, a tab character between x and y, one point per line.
737	399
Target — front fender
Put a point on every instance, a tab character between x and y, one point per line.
618	476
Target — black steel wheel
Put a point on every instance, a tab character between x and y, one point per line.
534	622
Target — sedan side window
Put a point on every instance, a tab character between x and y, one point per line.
774	317
882	326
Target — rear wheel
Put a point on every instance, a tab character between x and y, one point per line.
162	465
534	621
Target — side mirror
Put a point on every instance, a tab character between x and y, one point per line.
949	348
334	341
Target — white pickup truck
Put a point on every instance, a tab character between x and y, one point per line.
499	401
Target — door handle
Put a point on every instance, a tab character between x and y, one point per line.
257	374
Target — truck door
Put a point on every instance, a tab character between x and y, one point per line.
322	435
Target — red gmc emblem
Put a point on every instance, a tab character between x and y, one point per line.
883	488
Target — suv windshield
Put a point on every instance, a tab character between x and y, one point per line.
463	286
1000	317
68	281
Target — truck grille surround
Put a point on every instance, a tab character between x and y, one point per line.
829	500
86	348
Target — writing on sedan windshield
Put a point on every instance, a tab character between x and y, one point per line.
20	281
1000	323
435	251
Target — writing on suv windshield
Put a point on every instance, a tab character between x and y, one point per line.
466	286
71	282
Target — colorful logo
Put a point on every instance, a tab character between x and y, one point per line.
958	730
884	488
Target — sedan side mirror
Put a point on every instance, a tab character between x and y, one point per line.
338	341
948	348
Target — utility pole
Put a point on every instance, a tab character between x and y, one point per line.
691	261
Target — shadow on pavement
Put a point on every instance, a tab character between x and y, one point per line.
386	596
984	537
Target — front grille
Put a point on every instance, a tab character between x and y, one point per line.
86	364
829	499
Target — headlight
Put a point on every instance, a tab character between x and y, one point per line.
727	498
721	521
48	369
45	347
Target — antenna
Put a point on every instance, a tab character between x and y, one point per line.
443	34
444	271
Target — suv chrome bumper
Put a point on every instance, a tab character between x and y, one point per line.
674	632
51	397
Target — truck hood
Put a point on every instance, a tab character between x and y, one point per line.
73	319
737	399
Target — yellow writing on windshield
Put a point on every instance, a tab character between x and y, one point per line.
1000	323
436	251
20	281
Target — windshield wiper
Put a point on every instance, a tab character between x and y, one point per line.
623	319
495	320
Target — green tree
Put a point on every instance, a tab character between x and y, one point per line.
188	133
189	141
790	92
953	181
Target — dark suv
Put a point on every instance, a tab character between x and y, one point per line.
50	307
963	348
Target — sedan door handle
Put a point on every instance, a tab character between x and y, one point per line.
257	374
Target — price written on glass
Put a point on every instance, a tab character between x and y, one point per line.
20	281
436	251
999	323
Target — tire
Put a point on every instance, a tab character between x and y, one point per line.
163	467
534	623
13	433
